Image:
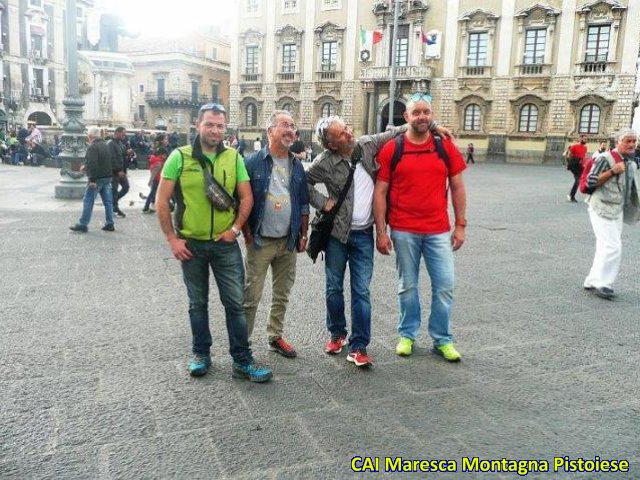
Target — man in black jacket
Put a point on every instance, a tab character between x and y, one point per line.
119	168
98	168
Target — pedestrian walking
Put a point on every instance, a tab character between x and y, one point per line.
98	168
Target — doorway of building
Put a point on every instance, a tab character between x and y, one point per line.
41	118
398	115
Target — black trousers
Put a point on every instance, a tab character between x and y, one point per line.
576	182
118	181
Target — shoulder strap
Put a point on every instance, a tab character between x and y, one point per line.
397	153
616	156
441	151
355	158
181	163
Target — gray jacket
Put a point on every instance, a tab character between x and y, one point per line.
332	170
617	196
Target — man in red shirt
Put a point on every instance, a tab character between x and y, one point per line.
576	155
413	199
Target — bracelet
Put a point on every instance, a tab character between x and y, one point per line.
303	237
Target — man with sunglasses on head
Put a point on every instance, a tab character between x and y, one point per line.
411	194
277	227
352	234
206	237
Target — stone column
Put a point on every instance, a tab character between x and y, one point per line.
74	145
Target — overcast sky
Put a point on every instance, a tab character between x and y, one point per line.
153	17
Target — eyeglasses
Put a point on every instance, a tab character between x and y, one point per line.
291	126
216	107
416	97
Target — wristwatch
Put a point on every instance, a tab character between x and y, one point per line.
461	222
236	230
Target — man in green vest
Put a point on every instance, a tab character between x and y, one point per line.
205	236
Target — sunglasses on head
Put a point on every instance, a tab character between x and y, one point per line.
215	107
416	97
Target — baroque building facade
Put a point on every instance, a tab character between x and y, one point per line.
173	77
32	54
519	79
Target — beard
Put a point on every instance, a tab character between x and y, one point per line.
420	127
209	142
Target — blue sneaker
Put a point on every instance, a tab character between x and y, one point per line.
199	365
251	371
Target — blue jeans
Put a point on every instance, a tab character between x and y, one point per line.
225	260
151	198
438	256
358	251
103	187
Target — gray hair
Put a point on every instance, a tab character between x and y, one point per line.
626	132
322	129
272	122
93	132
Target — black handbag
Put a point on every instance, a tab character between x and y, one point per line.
322	224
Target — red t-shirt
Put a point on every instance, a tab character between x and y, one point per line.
418	197
578	150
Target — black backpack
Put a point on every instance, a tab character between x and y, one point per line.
397	154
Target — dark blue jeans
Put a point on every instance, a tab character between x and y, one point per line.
358	252
225	261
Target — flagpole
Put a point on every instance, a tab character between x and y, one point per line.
392	83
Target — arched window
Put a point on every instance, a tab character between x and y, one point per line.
327	110
161	122
251	115
589	119
288	107
528	121
472	117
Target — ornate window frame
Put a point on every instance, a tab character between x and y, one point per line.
250	38
537	17
257	12
244	105
329	32
321	101
283	101
606	113
543	112
485	113
288	35
477	21
596	13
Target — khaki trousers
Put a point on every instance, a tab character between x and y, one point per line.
273	253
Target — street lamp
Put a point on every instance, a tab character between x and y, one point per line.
74	145
392	83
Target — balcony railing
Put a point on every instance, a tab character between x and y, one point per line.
534	70
475	71
288	77
175	98
39	94
412	72
329	76
251	77
37	57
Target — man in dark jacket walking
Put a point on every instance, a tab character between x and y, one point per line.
99	171
120	179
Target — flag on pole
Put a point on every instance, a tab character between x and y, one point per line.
432	41
368	38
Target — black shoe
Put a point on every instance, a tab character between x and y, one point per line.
604	292
120	213
79	228
109	227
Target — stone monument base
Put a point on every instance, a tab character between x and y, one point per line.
70	189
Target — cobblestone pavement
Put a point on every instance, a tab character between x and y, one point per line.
94	339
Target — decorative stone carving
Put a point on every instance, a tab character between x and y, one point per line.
329	32
539	15
601	11
579	103
485	108
479	19
289	34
